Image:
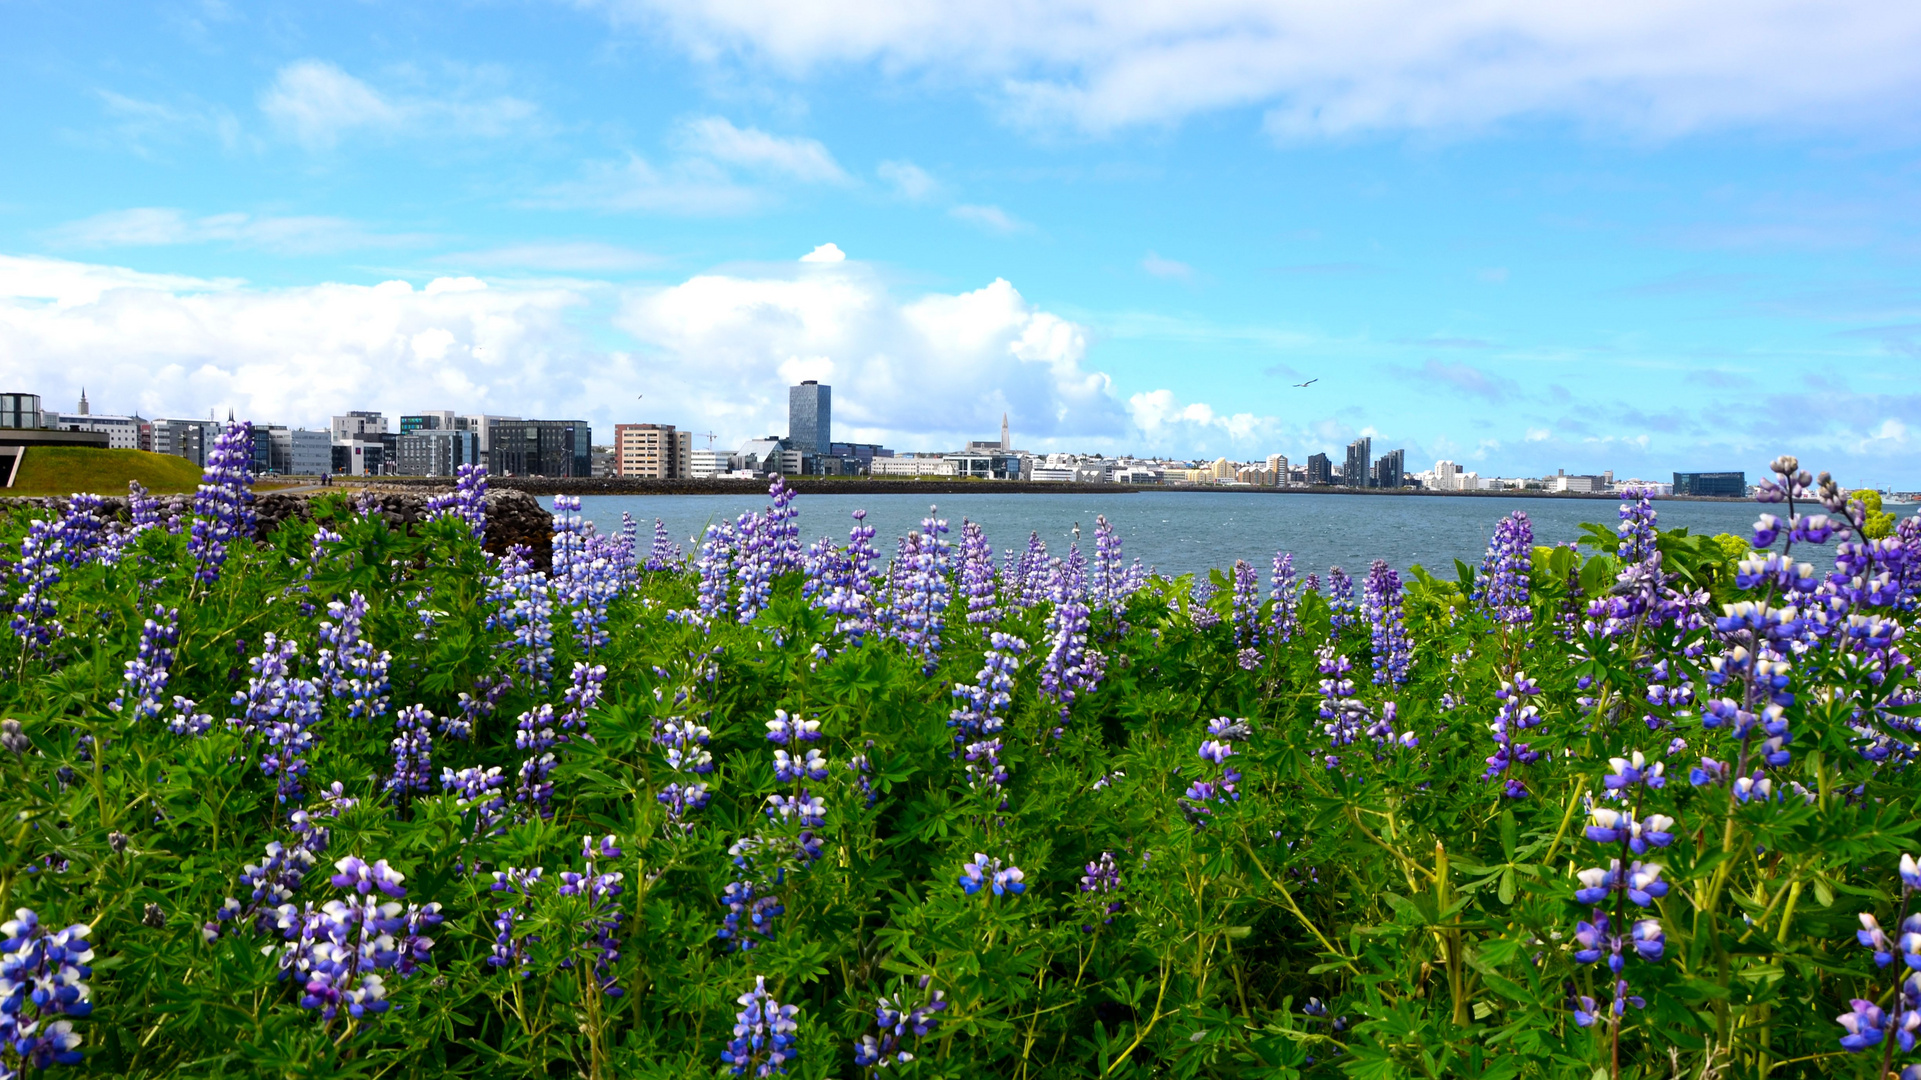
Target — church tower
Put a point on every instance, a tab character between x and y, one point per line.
1007	441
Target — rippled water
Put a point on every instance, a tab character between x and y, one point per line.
1181	532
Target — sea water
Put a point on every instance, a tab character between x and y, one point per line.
1178	532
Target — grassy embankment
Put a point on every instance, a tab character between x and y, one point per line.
63	470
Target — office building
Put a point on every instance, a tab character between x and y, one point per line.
294	451
541	448
986	465
359	423
708	462
810	412
1391	470
439	420
1357	470
655	451
122	432
1320	470
1730	485
190	439
435	451
483	428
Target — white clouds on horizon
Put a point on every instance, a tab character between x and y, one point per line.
714	350
156	226
1648	66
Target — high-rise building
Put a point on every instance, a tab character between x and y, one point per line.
1723	484
1358	471
297	451
810	413
1391	470
438	420
652	450
1320	470
1277	469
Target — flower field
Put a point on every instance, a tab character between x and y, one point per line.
346	799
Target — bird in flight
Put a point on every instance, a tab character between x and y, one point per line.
1309	382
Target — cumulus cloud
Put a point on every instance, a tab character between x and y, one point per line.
153	226
801	159
316	104
825	253
991	218
1164	420
715	351
1648	65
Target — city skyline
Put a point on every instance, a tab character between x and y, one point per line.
545	210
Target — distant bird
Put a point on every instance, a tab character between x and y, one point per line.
1309	382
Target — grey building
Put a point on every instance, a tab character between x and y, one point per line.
1391	470
298	451
1724	484
1320	470
190	439
540	448
1358	470
435	451
810	417
988	465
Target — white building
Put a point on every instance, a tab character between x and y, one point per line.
122	432
907	465
708	463
358	425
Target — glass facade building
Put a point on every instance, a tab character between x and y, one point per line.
1730	485
810	417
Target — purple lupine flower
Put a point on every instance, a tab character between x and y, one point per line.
804	812
336	952
523	606
475	707
534	736
1342	711
1101	887
922	592
145	680
272	881
84	531
477	790
1070	669
1197	802
1381	598
223	507
143	509
898	1019
991	692
581	697
42	991
42	554
764	1039
752	908
977	574
1502	588
602	891
1865	1023
715	564
347	660
1247	616
470	498
356	875
999	879
665	554
1340	599
1285	613
847	586
755	564
1028	585
1112	583
783	526
1514	716
594	575
510	949
413	748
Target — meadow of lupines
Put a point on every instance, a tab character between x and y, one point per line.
347	801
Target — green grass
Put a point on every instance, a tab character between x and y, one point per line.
64	470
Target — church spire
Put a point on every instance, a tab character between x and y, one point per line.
1007	441
83	401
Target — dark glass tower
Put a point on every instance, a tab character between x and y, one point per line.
810	417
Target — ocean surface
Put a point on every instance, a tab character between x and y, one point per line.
1188	531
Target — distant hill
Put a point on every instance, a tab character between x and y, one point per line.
63	470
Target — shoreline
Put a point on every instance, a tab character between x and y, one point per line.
805	485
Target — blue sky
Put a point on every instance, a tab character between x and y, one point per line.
1521	236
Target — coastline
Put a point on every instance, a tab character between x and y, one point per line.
808	485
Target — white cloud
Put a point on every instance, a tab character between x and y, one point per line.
825	253
923	372
1164	420
909	181
1166	268
316	104
155	226
991	218
1319	68
806	160
715	351
693	186
559	255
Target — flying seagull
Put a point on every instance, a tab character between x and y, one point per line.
1309	382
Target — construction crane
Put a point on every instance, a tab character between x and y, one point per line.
708	435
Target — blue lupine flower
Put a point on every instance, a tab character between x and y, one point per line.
764	1038
1502	588
348	663
977	574
147	673
1284	615
223	507
602	891
42	991
1102	885
1865	1023
999	879
1247	616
